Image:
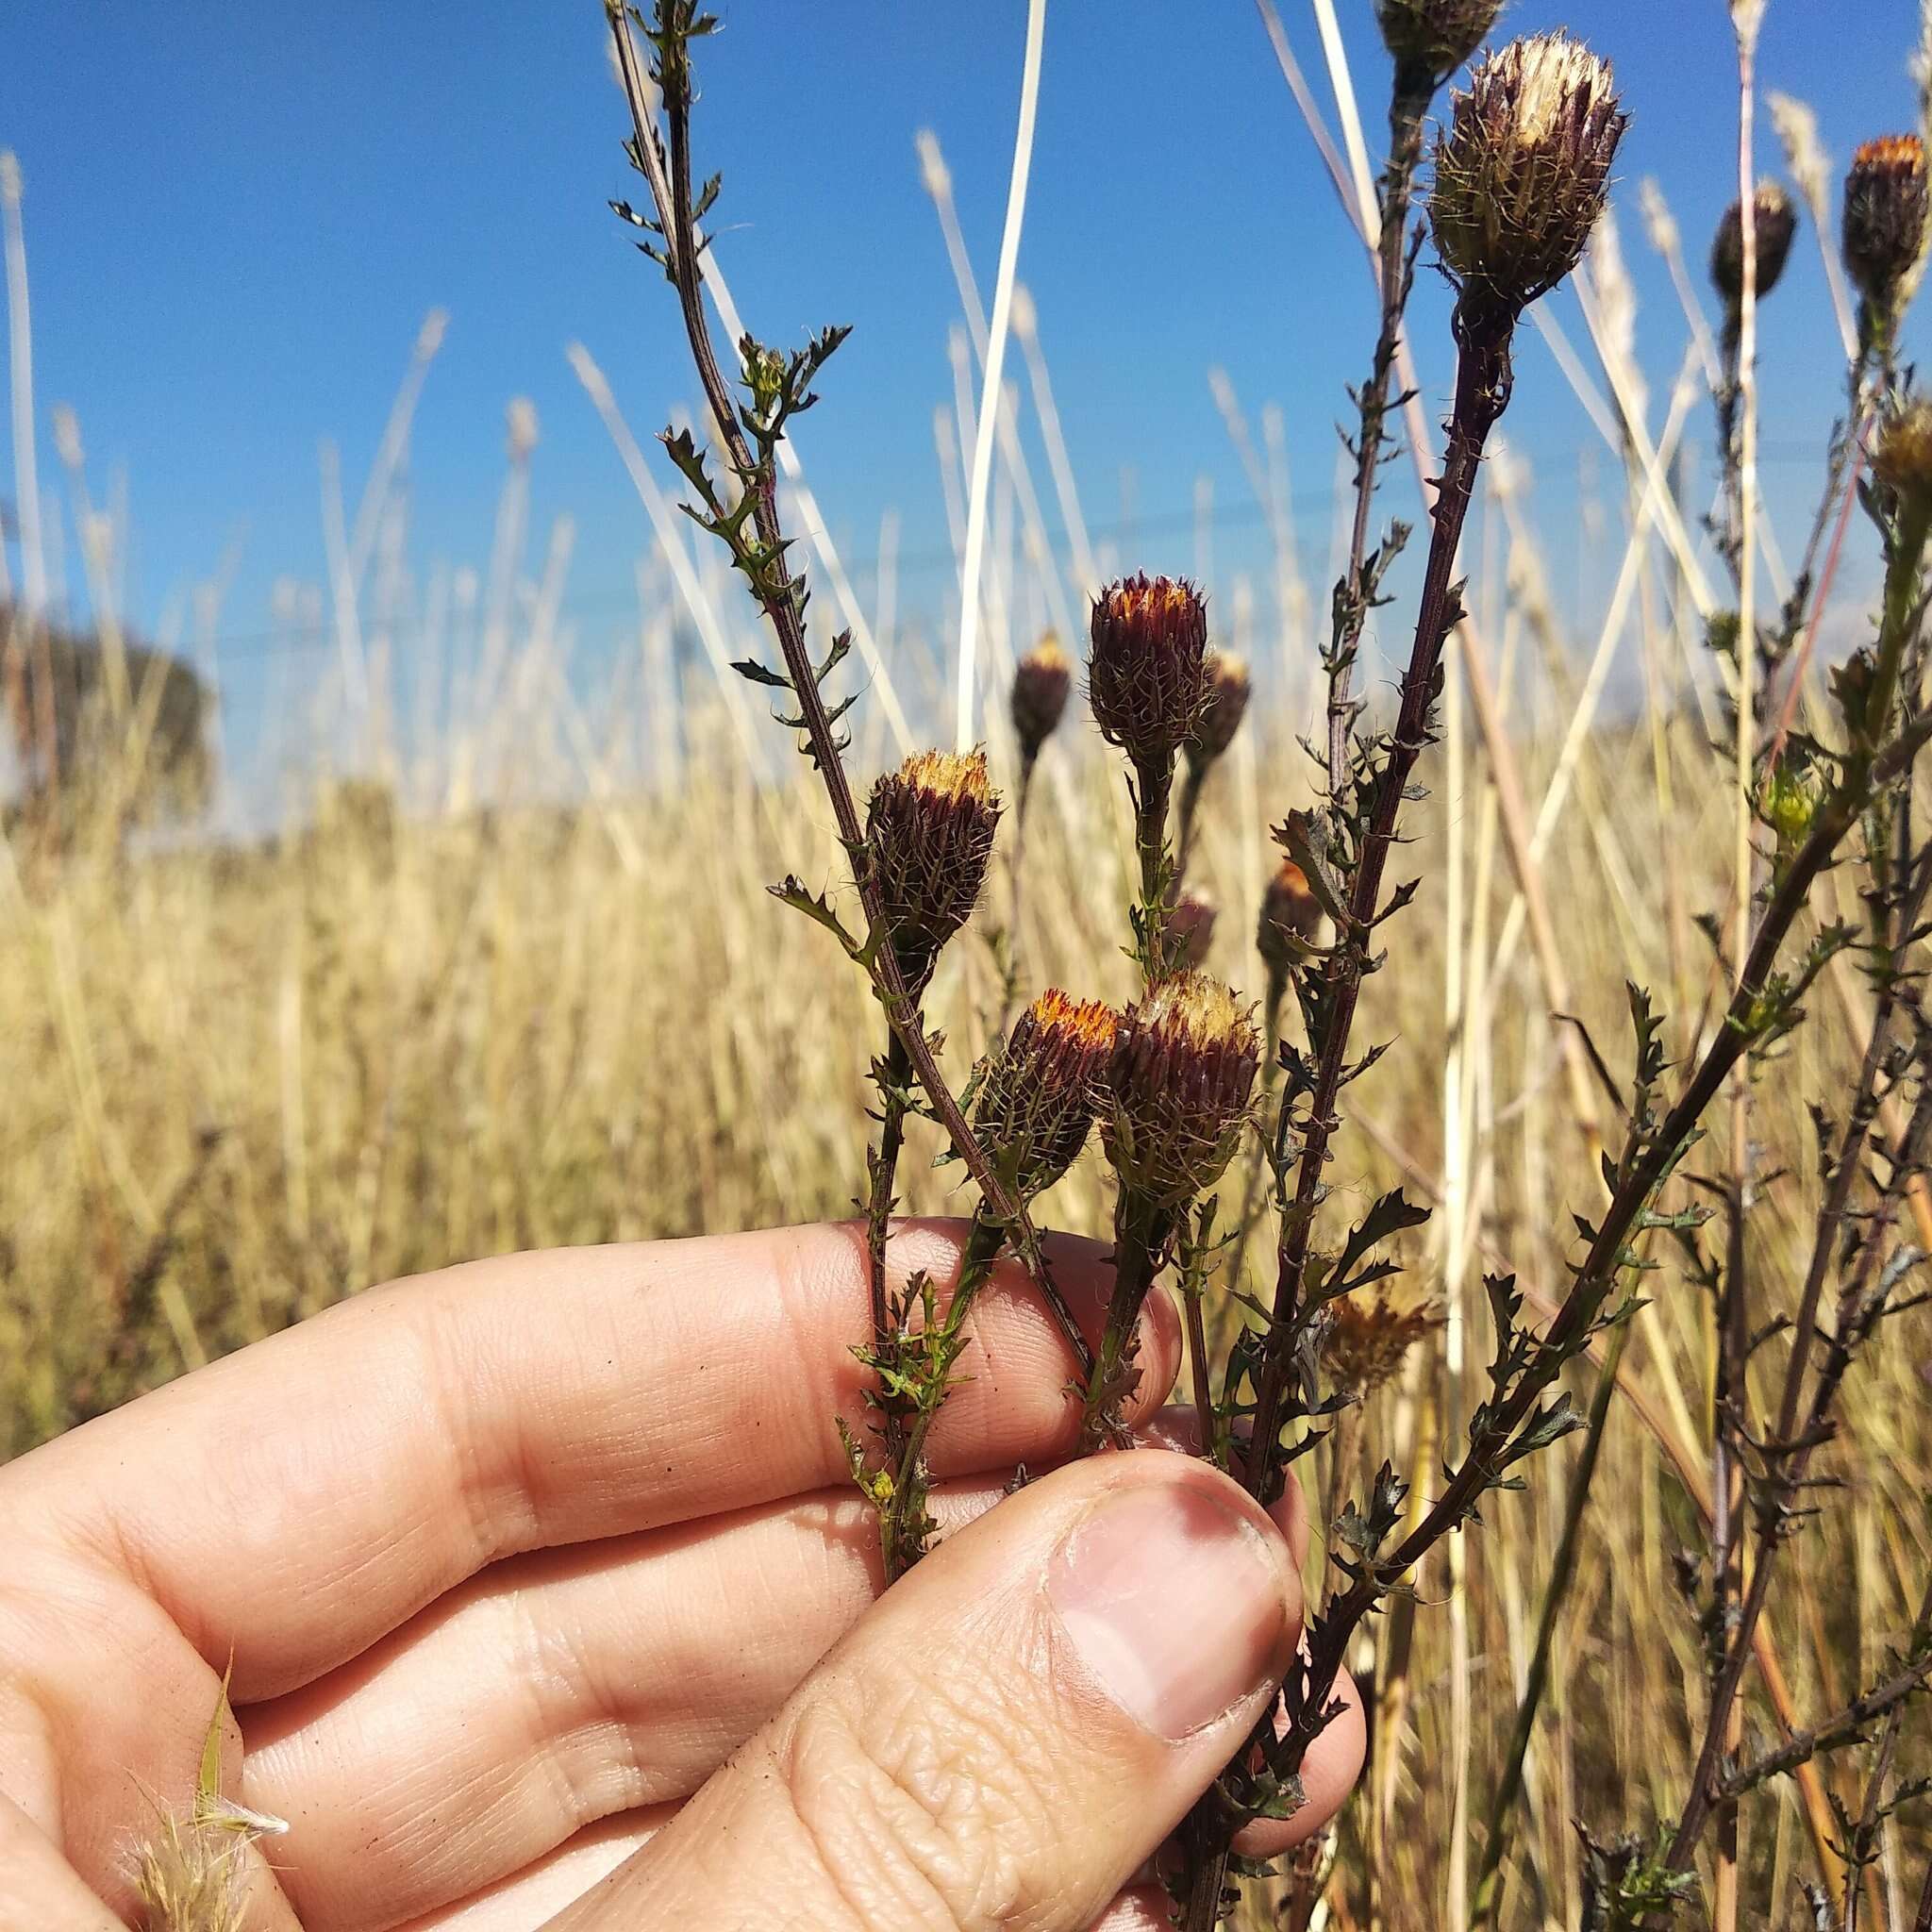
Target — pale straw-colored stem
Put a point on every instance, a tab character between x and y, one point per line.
704	612
1361	175
991	392
1026	327
351	657
20	353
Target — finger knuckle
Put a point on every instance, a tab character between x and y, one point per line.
927	1811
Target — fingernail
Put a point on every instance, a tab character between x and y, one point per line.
1174	1601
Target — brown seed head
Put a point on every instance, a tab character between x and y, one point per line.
929	828
1522	173
1042	1090
1902	450
1289	912
1369	1336
1224	689
1146	672
1885	220
1774	219
1178	1084
1040	685
1431	39
1190	924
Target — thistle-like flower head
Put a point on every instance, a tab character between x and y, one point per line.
1179	1085
1431	39
1039	1094
1370	1336
1885	220
1225	691
1289	912
1774	221
1901	449
1040	684
929	830
1146	672
1522	173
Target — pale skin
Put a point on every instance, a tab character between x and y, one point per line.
547	1601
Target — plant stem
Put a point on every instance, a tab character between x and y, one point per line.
1482	391
896	1075
1201	1377
670	182
1258	1147
1016	863
1395	264
1555	1594
900	1545
1847	1727
1190	808
1141	1228
1863	1838
1896	625
1482	394
1797	1438
1310	1688
1153	790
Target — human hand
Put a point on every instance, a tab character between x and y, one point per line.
543	1590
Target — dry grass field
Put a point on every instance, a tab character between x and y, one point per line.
438	1015
242	1084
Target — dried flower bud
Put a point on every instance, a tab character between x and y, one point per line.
1522	173
1178	1082
930	829
1289	912
1040	685
1224	689
1901	449
1190	926
1370	1336
1775	222
1150	645
1885	220
1042	1089
1431	39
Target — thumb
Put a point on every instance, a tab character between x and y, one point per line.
1009	1734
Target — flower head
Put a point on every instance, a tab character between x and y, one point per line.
1431	39
1901	449
1179	1083
1145	673
1039	1094
1522	173
1040	684
1224	689
1775	223
1885	220
1289	912
929	830
1370	1334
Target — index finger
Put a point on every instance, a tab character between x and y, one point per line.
291	1504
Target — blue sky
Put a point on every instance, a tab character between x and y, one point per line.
237	217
